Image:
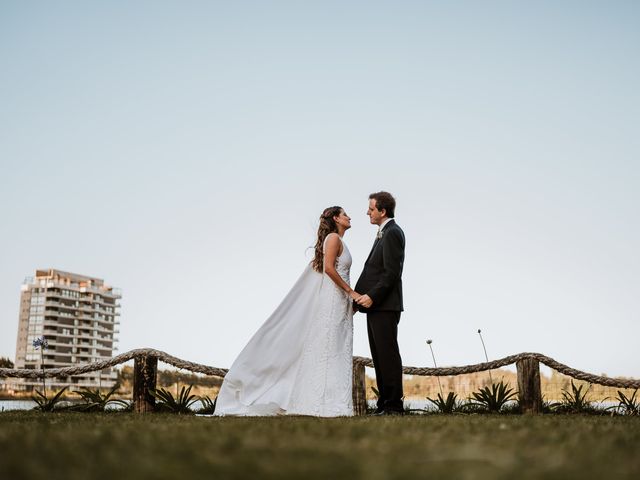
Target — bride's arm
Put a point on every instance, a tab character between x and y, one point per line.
331	252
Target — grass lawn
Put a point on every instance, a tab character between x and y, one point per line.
160	446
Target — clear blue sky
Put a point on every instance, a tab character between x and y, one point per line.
183	151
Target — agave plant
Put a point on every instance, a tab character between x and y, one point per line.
450	404
627	405
575	401
95	401
493	398
45	404
208	405
179	404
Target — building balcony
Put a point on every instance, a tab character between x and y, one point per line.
111	293
58	314
93	308
57	294
57	306
53	342
90	332
69	306
87	318
55	326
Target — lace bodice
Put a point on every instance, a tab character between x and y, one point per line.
343	264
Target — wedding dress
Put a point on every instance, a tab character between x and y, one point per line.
299	360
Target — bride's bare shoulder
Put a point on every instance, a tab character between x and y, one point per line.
332	239
333	244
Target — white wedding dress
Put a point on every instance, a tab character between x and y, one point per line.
299	361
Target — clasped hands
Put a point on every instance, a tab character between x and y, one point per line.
362	300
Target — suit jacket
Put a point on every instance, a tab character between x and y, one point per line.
381	277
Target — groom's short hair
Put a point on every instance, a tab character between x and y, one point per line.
385	201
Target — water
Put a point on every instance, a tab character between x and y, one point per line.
6	405
9	405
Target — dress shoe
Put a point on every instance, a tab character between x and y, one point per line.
394	412
384	413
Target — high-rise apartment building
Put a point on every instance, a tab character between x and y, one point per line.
78	316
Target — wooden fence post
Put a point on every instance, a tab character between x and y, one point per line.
529	392
359	390
144	379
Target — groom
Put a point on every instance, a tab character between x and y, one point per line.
381	286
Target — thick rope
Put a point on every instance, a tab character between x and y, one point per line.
480	367
122	358
367	362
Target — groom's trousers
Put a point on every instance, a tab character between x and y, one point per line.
382	328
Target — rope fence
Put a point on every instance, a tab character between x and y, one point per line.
112	362
146	360
511	359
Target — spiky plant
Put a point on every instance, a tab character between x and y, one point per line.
208	405
447	405
627	405
492	398
575	400
179	404
96	401
45	404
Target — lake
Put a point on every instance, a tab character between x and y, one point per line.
6	405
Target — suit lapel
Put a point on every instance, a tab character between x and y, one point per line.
375	244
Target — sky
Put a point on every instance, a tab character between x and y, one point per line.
183	152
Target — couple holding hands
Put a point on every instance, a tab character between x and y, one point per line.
299	362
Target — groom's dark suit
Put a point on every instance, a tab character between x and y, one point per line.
381	279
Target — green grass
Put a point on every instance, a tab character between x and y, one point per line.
161	446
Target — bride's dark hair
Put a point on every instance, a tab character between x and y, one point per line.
327	226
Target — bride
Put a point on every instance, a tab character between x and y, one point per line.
299	360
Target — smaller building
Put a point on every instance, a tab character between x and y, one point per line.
78	316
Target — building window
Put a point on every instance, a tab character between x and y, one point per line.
37	300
